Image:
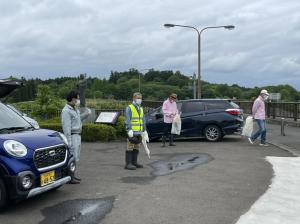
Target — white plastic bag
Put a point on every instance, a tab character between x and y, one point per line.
176	125
145	139
248	127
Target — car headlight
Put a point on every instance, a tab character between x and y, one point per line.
64	138
15	148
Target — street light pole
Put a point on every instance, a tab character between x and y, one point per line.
199	66
194	86
229	27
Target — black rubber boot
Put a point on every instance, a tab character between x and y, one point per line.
128	158
135	154
73	180
163	141
172	141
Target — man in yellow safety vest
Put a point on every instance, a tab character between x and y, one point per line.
135	126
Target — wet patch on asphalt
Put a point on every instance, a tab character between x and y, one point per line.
169	165
83	211
137	179
178	163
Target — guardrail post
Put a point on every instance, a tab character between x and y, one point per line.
282	127
268	109
274	110
295	112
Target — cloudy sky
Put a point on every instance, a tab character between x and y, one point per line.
48	38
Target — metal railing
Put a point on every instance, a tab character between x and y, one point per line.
275	109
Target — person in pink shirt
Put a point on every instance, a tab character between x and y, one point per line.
259	114
169	110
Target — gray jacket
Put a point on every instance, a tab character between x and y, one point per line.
71	121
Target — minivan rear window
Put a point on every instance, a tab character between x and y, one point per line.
234	105
217	105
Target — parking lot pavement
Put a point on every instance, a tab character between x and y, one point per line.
291	138
228	178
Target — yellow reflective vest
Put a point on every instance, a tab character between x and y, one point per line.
136	119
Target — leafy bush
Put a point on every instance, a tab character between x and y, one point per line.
120	127
51	126
98	132
90	132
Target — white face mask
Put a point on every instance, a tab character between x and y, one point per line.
77	103
266	97
138	101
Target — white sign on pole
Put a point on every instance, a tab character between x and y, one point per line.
107	117
275	96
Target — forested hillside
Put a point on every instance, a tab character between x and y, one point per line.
155	85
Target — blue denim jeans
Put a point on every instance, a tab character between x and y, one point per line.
262	131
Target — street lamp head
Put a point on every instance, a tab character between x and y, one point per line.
168	25
229	27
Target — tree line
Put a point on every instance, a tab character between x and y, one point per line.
155	85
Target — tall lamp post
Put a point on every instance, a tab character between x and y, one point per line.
228	27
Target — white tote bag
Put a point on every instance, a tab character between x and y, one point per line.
248	127
176	125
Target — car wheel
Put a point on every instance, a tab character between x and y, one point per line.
213	133
3	195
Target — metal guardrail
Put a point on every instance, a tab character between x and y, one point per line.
275	109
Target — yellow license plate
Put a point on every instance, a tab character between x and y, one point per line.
47	178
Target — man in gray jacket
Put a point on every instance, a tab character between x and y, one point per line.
71	120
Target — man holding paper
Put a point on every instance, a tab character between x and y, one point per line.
136	129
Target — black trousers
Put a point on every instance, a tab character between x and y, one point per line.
167	129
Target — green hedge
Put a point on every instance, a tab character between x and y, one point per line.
120	127
90	132
51	126
98	132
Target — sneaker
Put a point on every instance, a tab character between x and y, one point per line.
263	144
250	140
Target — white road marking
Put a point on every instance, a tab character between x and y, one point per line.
281	202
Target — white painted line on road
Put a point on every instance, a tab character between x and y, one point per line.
281	202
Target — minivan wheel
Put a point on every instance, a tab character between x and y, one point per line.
212	133
3	195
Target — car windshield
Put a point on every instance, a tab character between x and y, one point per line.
11	120
15	109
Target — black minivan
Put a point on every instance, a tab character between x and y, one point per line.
209	118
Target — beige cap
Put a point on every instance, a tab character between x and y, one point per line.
137	94
264	92
173	95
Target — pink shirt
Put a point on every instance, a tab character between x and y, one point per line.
258	109
169	109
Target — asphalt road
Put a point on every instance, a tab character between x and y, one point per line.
228	178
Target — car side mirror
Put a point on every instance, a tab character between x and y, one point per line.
158	116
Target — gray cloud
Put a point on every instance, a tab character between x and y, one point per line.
42	38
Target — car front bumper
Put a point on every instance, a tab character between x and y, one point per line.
40	190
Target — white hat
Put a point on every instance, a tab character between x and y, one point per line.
264	92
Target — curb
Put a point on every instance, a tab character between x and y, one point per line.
291	150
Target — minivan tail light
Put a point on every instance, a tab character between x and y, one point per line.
234	112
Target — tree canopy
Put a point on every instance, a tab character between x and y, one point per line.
155	85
